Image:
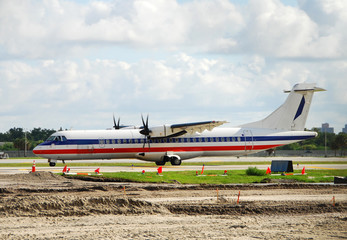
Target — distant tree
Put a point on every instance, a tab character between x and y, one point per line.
3	137
341	142
334	146
38	134
15	133
19	143
7	147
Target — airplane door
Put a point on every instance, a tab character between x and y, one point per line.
248	138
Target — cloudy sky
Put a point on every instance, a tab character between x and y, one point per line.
72	64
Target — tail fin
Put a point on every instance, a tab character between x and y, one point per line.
292	114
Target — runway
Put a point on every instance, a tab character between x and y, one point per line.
169	167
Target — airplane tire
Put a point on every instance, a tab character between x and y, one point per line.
160	163
52	164
175	161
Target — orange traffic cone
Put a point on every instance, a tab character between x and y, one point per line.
303	171
33	168
65	169
268	171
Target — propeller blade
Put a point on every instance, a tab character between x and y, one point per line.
145	131
116	125
147	122
143	121
144	143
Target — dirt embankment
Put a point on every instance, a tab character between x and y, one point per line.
46	206
46	194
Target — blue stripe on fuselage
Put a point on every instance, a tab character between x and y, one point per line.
177	140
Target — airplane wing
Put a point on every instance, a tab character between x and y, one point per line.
176	130
195	127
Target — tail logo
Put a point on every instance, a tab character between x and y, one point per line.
301	107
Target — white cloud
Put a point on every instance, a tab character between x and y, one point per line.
202	59
33	29
179	86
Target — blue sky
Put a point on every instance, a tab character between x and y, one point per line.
72	64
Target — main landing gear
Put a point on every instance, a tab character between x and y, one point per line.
173	160
52	162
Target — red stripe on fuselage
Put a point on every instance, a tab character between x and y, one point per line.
155	149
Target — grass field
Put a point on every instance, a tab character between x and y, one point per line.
218	177
149	164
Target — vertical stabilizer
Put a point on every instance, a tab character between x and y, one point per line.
292	114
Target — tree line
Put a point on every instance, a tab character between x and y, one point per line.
336	142
15	138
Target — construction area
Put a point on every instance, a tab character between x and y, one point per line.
42	205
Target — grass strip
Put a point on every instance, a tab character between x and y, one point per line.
217	177
152	164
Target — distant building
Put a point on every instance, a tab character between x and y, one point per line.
344	129
325	128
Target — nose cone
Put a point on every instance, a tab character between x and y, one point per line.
36	150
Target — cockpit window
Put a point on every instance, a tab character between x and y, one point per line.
51	138
56	138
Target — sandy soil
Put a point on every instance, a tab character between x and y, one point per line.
43	206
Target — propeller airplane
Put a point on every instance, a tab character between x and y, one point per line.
177	142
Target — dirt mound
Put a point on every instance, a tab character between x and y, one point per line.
34	206
250	208
33	176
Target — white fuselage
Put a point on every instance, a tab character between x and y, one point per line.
129	143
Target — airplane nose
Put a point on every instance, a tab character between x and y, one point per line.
35	150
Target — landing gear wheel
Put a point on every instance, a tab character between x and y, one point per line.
160	163
175	161
52	164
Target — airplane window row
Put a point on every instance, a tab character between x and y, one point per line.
170	140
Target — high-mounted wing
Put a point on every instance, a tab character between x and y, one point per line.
196	126
176	130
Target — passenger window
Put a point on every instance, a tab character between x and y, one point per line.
64	138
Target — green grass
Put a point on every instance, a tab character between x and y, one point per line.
254	171
216	177
150	164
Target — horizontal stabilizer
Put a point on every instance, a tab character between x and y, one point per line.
292	114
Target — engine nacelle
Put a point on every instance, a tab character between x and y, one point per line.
161	131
